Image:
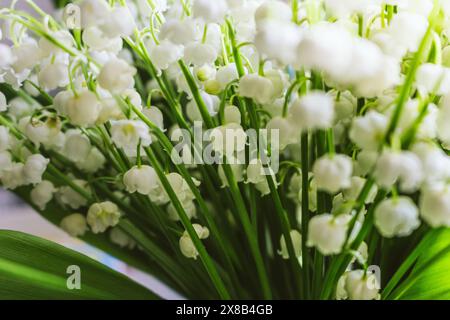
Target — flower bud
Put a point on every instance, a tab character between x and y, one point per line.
74	224
122	239
296	238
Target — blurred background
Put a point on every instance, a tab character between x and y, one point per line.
15	215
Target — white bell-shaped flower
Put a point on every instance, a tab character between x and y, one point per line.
38	131
6	56
116	76
155	115
94	161
282	133
210	11
42	194
278	40
256	87
403	167
333	173
273	11
3	102
397	217
119	22
199	54
189	209
238	173
82	109
326	47
102	215
433	78
358	285
76	145
179	31
5	161
12	176
228	139
226	74
296	238
126	134
5	141
368	131
408	29
69	197
313	111
74	224
122	239
34	168
435	163
356	185
140	179
54	75
93	12
232	114
26	55
328	233
435	205
165	54
187	247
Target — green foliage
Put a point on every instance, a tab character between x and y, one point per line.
34	268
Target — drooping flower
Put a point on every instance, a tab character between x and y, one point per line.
102	215
74	224
328	233
397	217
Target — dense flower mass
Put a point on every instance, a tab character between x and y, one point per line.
97	103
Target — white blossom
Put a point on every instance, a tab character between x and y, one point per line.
42	194
397	217
435	205
187	246
296	238
102	215
313	111
34	168
328	233
74	224
358	285
116	76
141	179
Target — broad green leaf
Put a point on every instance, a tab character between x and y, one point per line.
34	268
429	279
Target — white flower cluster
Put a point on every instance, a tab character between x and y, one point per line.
358	92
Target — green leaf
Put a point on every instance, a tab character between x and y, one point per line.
35	268
429	278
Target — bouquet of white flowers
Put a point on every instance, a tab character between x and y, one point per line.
232	148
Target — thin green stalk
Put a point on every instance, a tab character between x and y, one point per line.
204	256
286	229
305	212
409	81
